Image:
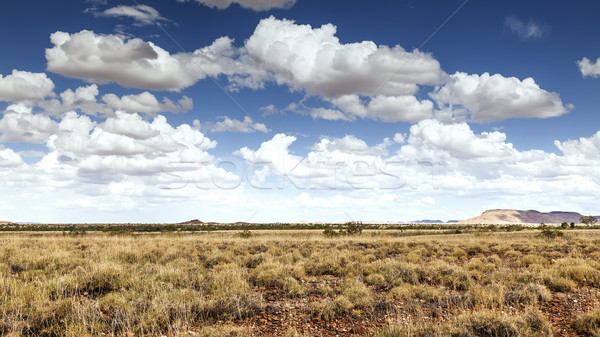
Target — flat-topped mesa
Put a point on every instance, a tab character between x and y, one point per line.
514	216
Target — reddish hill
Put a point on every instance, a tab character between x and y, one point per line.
513	216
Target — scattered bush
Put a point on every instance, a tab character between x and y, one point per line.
330	232
551	234
354	227
245	234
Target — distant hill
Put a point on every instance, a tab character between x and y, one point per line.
191	222
5	222
428	221
514	216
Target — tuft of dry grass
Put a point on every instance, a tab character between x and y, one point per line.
588	323
481	323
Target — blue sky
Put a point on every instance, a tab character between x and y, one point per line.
291	110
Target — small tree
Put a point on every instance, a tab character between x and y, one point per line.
354	227
564	225
588	220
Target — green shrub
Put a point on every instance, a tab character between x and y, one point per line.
551	234
330	232
354	227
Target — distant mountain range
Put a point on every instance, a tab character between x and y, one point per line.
427	221
514	216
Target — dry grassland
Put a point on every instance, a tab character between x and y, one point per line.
300	283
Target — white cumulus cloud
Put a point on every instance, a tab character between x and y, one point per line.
82	99
583	147
20	124
124	135
24	85
589	68
135	63
313	59
9	158
495	97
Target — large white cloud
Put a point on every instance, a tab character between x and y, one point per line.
125	135
589	68
343	163
19	124
448	160
24	85
495	97
134	62
123	155
121	164
313	59
257	5
358	80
